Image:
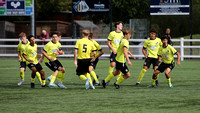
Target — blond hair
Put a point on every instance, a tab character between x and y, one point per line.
22	34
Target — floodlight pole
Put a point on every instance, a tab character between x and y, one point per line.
110	1
190	25
33	28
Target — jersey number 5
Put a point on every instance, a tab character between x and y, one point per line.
84	48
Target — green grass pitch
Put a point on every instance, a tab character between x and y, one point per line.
184	97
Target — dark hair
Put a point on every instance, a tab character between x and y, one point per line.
153	30
164	37
29	37
59	33
54	33
117	23
90	35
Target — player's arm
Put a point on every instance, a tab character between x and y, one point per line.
93	53
45	54
27	58
110	46
75	56
159	58
178	56
19	56
126	56
144	52
41	57
59	51
131	55
100	54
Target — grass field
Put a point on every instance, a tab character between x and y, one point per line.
184	97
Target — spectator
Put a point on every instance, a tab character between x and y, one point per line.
168	35
44	36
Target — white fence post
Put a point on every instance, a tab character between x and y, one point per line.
182	49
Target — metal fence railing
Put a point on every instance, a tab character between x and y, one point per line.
9	47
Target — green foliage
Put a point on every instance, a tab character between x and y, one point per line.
183	98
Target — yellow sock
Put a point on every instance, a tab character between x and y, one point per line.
43	82
21	75
59	76
53	78
118	76
82	77
94	76
153	81
169	81
120	80
110	70
32	80
141	75
63	76
109	77
88	76
38	76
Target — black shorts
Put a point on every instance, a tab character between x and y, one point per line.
112	57
150	61
37	66
94	64
164	66
122	67
23	65
83	66
54	65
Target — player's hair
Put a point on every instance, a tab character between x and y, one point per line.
86	32
54	33
22	34
29	37
164	37
59	33
117	23
90	35
127	31
153	30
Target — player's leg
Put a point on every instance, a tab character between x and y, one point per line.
155	66
90	80
60	77
39	77
34	70
110	76
146	66
53	66
93	74
167	71
42	73
22	70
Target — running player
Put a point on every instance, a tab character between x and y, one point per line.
95	60
152	44
30	54
21	47
121	58
166	53
113	43
83	52
50	51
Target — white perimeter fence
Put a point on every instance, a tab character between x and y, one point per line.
69	45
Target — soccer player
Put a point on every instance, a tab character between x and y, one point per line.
83	52
30	54
113	43
152	44
121	58
166	53
50	51
21	47
95	60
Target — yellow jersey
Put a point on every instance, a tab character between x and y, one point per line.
31	53
115	39
21	47
85	48
167	54
120	52
51	48
98	47
152	47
